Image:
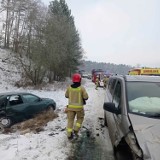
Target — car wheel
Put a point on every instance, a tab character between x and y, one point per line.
117	154
122	152
105	121
50	108
6	122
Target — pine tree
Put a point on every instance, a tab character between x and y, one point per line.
62	40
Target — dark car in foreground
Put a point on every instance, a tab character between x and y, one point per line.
132	115
16	107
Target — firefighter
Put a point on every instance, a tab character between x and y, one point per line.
97	82
105	81
77	96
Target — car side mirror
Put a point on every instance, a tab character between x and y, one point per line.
110	107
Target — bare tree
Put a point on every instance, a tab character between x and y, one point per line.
47	39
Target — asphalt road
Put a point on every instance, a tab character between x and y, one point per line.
94	142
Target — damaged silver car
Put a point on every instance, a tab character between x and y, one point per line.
132	115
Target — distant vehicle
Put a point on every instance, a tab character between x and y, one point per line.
100	74
81	72
85	75
132	115
16	107
145	71
89	76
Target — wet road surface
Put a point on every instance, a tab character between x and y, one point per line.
91	146
94	142
95	146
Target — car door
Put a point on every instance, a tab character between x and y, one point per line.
15	107
117	99
115	120
34	104
110	116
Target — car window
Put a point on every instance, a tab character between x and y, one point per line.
15	100
144	97
3	101
111	85
117	94
30	98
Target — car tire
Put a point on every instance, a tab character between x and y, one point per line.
6	122
134	157
50	108
119	154
105	121
122	152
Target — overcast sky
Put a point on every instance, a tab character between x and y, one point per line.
119	31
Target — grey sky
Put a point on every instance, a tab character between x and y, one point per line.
119	31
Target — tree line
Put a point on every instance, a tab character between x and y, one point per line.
108	67
44	39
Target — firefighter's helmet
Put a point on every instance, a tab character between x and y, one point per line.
76	77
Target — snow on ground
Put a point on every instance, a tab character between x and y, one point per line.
6	68
52	143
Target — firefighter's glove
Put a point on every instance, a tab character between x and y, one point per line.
66	109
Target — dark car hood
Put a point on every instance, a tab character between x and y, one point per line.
147	131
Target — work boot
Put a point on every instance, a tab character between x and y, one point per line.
70	137
76	134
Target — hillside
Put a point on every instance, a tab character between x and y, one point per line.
9	73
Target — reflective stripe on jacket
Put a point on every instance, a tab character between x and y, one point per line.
75	98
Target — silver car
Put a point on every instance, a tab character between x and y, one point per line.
132	115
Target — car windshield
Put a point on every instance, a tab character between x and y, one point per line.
144	98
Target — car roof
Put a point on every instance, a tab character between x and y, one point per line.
139	78
13	93
143	78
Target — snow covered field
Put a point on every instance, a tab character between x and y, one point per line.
52	143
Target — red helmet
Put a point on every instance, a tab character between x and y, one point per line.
76	77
